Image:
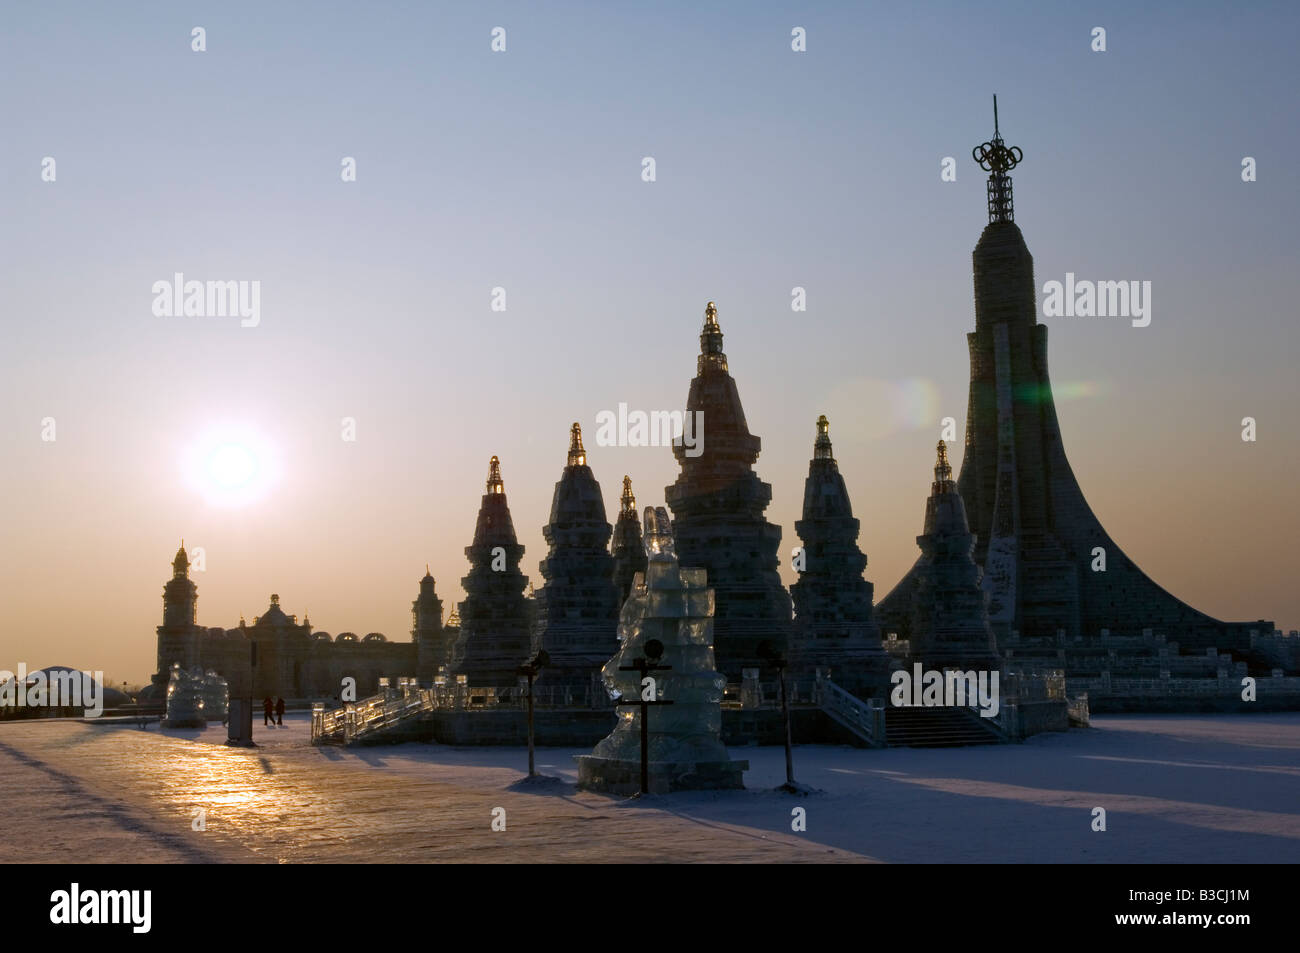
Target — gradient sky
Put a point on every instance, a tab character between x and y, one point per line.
522	169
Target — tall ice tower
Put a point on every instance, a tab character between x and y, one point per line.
494	635
718	503
1037	539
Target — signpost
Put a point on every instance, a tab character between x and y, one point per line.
654	650
529	671
778	662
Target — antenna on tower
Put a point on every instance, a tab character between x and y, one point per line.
996	159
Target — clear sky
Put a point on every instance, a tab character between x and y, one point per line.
522	170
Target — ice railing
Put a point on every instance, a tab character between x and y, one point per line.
865	718
405	700
1223	685
1016	688
752	695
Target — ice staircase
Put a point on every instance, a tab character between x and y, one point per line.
371	720
864	720
938	727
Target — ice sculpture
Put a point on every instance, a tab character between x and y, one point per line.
184	700
675	607
216	697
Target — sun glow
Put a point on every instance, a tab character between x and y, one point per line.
231	466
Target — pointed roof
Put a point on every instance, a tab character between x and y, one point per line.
577	455
711	341
494	482
494	526
822	445
628	500
942	472
181	564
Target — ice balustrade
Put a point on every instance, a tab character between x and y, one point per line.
1014	689
395	704
865	718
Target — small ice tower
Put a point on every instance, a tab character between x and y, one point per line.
675	607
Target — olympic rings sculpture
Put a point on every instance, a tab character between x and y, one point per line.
996	157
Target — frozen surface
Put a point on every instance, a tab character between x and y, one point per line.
1214	788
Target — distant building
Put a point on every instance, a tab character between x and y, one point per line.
292	661
433	649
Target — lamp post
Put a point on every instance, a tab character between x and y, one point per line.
529	671
777	661
654	651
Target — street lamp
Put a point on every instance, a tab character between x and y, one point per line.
777	661
529	670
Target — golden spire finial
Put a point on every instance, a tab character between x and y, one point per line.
494	481
577	455
711	342
822	446
628	499
942	470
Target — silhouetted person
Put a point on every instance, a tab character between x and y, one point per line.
268	711
279	711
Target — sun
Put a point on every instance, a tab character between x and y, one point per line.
231	465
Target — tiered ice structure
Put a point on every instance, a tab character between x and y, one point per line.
216	696
185	703
674	606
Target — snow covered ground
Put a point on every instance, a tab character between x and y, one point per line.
1206	788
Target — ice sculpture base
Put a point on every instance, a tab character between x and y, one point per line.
616	776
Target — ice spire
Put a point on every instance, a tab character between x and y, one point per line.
577	455
942	472
659	545
576	620
628	499
822	448
711	341
627	545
